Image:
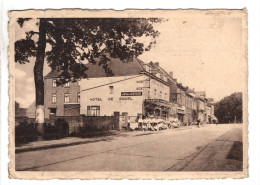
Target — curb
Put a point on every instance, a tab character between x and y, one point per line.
21	150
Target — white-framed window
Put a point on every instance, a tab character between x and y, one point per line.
93	110
78	97
67	84
111	89
54	98
54	83
66	97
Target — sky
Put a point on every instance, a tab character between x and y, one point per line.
204	51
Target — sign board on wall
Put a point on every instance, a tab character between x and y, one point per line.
131	93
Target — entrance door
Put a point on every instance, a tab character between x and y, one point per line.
53	111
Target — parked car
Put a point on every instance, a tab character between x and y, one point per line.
133	125
163	126
175	124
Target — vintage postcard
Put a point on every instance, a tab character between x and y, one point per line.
133	94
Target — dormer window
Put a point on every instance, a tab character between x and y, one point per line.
147	68
67	84
54	83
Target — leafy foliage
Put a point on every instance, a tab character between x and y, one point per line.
24	49
70	42
229	108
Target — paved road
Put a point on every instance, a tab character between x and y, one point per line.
146	151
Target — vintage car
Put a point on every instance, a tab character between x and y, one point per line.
173	123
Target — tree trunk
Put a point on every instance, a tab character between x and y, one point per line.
38	76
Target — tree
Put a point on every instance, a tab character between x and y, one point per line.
65	44
229	109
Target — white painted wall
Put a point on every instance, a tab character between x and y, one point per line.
109	103
162	90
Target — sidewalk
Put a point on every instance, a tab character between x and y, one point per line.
69	141
223	154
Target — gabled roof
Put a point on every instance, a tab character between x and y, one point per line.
190	91
161	70
52	74
118	67
211	99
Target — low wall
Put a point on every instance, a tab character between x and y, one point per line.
100	122
73	121
91	122
24	119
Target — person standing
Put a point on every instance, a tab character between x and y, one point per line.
198	123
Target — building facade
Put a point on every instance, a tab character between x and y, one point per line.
136	88
61	100
140	92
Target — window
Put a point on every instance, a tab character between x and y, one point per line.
54	83
165	96
67	84
54	98
154	92
66	98
160	94
93	110
52	110
78	97
111	89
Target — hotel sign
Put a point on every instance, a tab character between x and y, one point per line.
131	93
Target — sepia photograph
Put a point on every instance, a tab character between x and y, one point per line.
135	94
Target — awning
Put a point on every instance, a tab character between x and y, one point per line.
181	110
158	102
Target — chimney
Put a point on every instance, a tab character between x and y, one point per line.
171	74
156	63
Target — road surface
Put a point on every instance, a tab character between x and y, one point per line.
167	150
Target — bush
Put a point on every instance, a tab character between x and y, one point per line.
26	132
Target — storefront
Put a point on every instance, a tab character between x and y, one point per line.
157	108
181	113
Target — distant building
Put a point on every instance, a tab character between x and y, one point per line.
19	112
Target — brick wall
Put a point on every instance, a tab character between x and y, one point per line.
93	122
71	109
60	91
73	121
101	122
